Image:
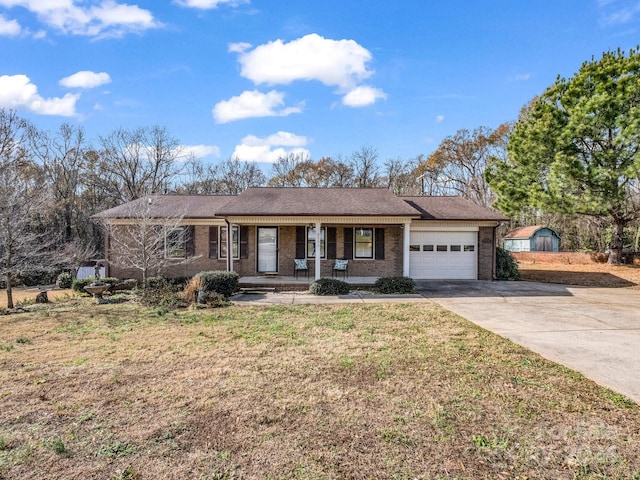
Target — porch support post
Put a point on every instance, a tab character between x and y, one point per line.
405	249
229	247
318	252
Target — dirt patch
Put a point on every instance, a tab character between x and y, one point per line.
298	392
589	275
28	295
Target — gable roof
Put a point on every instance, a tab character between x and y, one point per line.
451	208
527	232
162	206
304	201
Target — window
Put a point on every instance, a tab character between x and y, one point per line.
427	248
363	242
456	248
414	248
175	243
441	248
469	248
311	242
235	242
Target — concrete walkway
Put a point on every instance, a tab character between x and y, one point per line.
297	298
595	331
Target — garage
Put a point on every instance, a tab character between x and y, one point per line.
443	255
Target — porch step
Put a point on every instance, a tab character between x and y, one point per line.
257	289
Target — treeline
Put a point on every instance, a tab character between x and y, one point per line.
51	183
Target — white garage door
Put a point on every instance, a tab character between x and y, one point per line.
443	255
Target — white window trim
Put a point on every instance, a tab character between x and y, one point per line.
223	240
373	244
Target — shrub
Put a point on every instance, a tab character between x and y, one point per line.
329	286
191	289
506	265
224	283
213	300
161	294
395	285
64	280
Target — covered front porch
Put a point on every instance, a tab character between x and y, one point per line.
284	282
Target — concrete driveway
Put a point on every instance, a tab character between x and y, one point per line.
595	331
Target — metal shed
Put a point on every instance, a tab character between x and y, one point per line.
532	239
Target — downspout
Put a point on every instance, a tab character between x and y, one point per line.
495	255
229	246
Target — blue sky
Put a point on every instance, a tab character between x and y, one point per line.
258	79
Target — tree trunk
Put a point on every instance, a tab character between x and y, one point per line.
9	291
617	240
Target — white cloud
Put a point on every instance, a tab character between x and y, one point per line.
208	4
520	77
341	63
201	151
238	47
105	18
256	149
618	12
251	104
17	91
85	79
9	28
362	96
440	119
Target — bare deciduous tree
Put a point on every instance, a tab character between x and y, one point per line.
25	245
149	239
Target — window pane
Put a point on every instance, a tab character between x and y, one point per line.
427	248
469	248
414	248
364	242
311	242
455	248
235	241
175	243
441	248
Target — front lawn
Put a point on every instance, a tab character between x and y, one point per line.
403	391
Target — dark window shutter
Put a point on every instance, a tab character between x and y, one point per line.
348	243
331	243
213	242
301	240
244	241
379	234
190	240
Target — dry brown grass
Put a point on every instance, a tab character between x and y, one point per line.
589	275
295	392
24	295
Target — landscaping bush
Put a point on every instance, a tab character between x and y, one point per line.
158	292
506	265
398	285
329	286
224	283
64	280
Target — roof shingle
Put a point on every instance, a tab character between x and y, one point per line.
452	208
278	201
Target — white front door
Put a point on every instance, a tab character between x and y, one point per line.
267	249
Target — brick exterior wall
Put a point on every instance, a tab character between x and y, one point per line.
486	253
390	266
